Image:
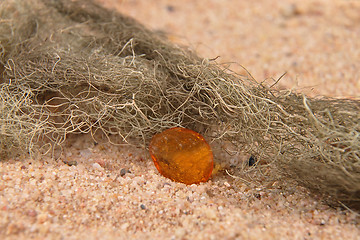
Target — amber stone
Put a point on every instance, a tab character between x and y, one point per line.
182	155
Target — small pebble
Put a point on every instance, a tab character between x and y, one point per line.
290	10
70	162
97	166
101	162
124	226
142	206
124	171
210	213
31	213
42	218
6	177
170	8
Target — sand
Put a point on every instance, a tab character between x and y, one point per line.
115	192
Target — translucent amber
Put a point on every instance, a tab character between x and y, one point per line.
182	155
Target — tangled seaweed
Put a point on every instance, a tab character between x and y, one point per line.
69	67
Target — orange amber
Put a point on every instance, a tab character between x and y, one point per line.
182	155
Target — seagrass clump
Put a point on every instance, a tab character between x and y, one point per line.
69	67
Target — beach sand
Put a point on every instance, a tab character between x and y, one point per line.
105	191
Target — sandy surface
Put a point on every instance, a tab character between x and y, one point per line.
96	199
115	192
315	42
